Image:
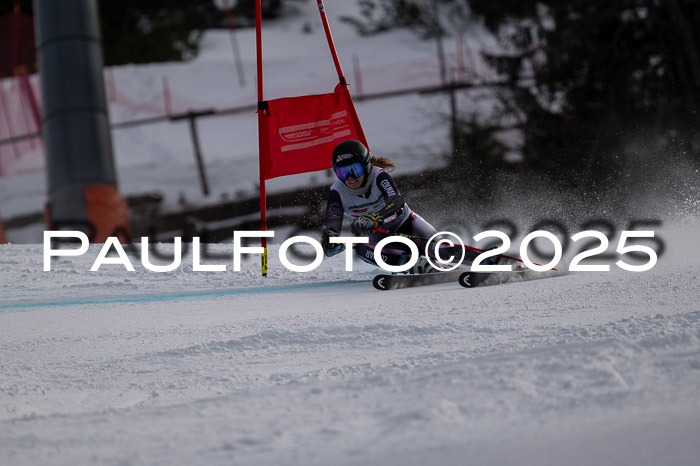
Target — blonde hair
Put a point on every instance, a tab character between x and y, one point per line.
382	162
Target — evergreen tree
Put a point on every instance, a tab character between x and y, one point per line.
604	73
144	31
590	76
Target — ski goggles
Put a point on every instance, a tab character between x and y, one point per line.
355	170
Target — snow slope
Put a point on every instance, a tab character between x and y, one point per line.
115	367
119	367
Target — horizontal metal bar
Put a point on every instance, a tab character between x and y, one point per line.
193	113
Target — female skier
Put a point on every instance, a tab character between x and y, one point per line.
366	194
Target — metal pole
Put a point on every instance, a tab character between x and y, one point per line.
166	97
443	77
438	38
82	180
454	130
198	154
228	12
460	58
358	76
3	239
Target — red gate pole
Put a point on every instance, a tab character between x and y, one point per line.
331	44
262	133
339	69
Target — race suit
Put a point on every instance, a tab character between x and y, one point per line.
378	192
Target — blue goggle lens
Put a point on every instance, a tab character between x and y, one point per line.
355	170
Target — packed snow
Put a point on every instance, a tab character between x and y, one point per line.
318	368
186	367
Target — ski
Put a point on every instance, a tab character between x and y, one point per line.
386	282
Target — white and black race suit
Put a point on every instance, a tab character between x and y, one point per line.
372	197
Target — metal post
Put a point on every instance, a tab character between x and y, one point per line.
438	38
166	96
82	180
454	129
3	239
228	11
198	154
358	76
191	118
443	77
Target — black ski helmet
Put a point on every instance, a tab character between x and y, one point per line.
349	152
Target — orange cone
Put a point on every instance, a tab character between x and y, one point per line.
107	212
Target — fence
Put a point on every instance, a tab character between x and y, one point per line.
20	123
21	149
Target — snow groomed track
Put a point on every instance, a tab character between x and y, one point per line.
118	367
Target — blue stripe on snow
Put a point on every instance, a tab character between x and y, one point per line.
181	296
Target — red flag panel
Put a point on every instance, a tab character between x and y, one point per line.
302	132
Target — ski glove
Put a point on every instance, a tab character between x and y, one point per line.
363	226
331	249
